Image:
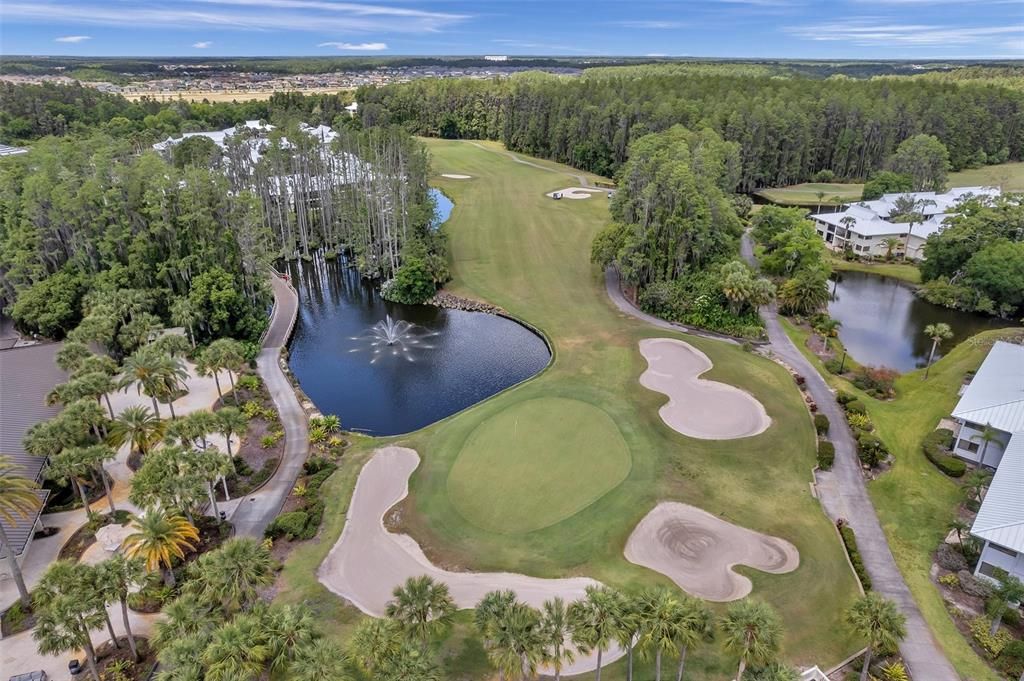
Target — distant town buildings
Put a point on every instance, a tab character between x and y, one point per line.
869	228
496	57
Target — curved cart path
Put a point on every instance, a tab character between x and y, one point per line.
698	407
368	562
256	511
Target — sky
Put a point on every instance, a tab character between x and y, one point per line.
822	29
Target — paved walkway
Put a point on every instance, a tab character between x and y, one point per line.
844	495
257	510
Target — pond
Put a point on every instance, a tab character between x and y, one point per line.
883	321
442	207
447	361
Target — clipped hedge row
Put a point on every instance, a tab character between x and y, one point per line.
850	542
821	424
826	455
934	446
305	522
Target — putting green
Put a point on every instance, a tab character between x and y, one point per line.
566	453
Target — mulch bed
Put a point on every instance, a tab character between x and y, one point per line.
110	658
16	620
93	493
85	536
257	463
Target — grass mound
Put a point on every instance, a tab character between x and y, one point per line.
568	453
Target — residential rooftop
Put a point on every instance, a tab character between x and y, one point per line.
995	395
1000	519
29	374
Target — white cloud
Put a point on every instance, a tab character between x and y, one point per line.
202	44
873	32
261	15
650	24
360	47
72	38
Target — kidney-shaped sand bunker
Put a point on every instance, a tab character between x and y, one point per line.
699	408
697	551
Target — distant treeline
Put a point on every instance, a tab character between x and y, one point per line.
28	112
788	129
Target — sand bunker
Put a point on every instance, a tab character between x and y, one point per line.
368	562
577	192
696	407
453	176
697	551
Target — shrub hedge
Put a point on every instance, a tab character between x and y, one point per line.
934	447
821	423
826	454
850	542
855	407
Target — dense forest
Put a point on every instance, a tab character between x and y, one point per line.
92	213
788	129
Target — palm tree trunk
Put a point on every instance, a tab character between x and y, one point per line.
81	493
106	488
997	619
170	405
867	665
12	560
128	629
931	354
224	483
110	628
657	665
682	663
169	577
629	663
234	393
743	667
597	677
110	407
213	500
156	408
90	652
216	382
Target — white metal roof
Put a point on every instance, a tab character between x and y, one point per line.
996	394
1001	517
871	218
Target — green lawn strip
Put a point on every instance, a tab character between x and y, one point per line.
1009	176
515	247
806	194
900	270
915	502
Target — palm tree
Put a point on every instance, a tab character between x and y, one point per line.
698	625
909	208
891	244
181	658
628	627
172	379
592	621
184	313
988	435
18	498
138	426
228	354
423	607
71	354
70	466
753	631
554	629
1010	590
97	456
938	333
86	417
231	421
291	628
238	649
159	538
68	607
821	195
673	624
375	643
960	527
208	364
117	577
880	622
233	574
517	643
826	327
975	483
143	369
184	617
212	466
319	660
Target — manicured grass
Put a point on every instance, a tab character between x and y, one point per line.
1009	176
516	248
914	500
806	194
568	453
900	270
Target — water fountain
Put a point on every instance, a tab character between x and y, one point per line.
398	336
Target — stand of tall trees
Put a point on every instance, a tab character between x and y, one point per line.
788	129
